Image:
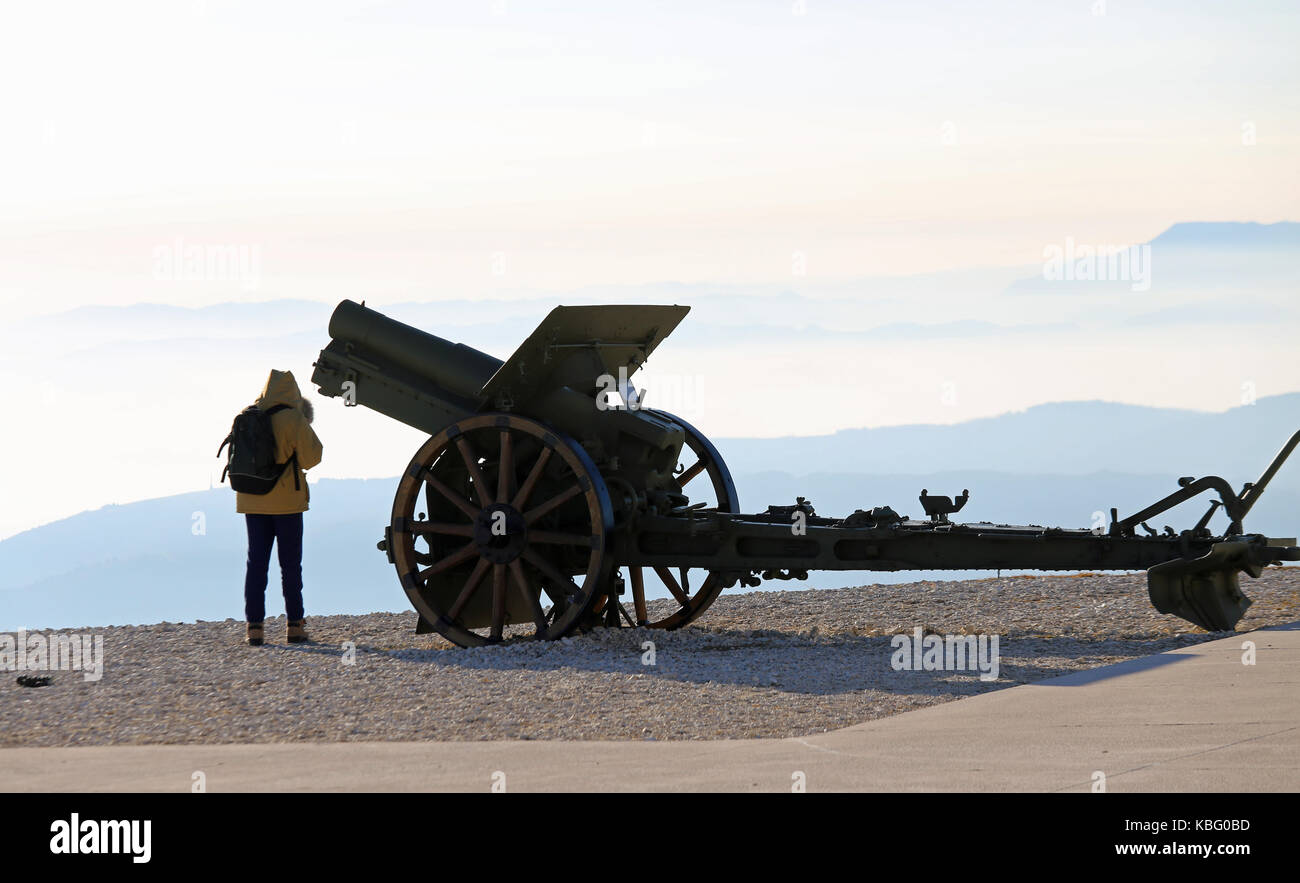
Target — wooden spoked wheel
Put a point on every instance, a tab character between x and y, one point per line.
704	478
517	528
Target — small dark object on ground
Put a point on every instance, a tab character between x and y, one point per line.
34	680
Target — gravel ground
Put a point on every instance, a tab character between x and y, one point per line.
763	664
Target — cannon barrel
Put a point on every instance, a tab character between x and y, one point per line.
454	367
428	382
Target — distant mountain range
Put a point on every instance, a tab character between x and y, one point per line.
1244	260
1061	438
1241	260
1231	235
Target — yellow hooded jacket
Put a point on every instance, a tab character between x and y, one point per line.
292	434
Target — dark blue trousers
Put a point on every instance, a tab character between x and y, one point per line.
285	531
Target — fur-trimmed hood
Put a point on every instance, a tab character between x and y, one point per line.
280	389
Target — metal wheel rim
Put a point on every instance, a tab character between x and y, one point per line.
485	575
724	490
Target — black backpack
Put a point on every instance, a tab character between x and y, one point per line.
251	460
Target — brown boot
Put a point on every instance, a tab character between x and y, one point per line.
298	631
256	635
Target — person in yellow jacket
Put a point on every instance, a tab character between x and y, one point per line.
276	517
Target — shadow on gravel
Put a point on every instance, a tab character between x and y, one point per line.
784	662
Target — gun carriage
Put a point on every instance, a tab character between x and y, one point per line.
537	489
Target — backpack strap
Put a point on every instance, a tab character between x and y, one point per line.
293	458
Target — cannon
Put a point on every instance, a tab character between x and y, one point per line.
544	479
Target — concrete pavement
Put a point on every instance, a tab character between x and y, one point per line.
1195	719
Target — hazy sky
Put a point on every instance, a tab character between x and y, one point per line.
403	151
440	149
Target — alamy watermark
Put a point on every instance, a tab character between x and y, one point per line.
674	392
922	652
180	261
76	835
1098	263
68	652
